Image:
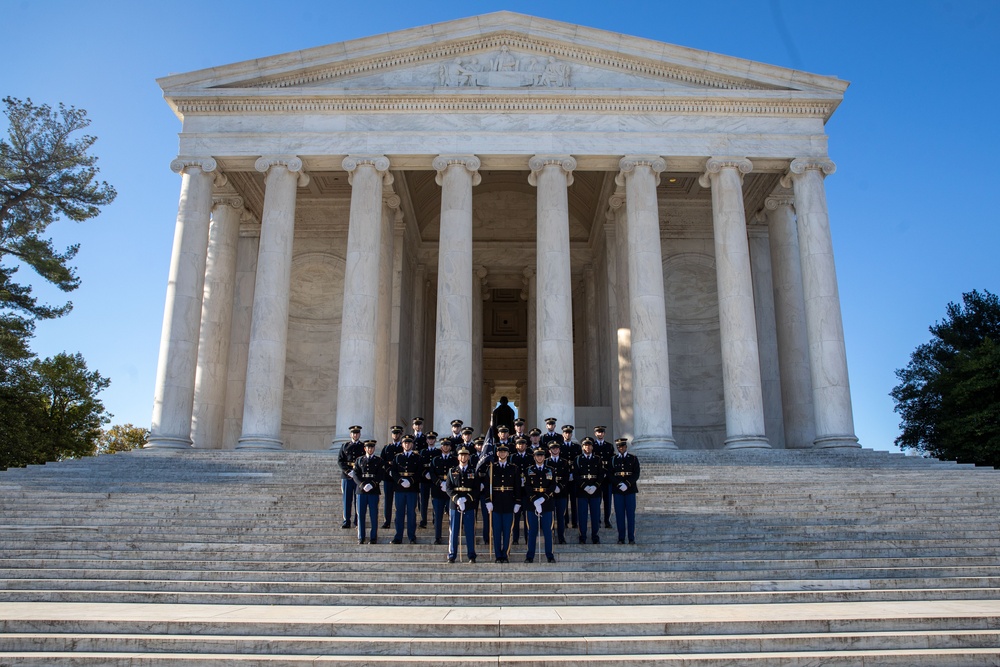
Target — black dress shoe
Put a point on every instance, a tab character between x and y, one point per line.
552	560
631	541
574	525
361	541
373	541
394	541
423	524
413	541
621	541
562	540
451	560
438	541
346	524
595	540
385	525
472	560
607	524
583	540
529	560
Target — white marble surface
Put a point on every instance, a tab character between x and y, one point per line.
767	340
824	325
173	401
239	344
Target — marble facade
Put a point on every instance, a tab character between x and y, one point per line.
605	229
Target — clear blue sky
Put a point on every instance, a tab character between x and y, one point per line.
913	203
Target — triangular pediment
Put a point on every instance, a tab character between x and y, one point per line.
502	52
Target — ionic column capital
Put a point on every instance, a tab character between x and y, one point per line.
290	162
629	163
235	201
391	201
352	162
470	162
774	202
716	164
801	165
539	162
207	165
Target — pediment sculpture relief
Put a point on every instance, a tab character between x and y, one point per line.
504	70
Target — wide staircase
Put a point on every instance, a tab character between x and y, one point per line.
746	557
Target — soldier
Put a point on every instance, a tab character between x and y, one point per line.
503	438
462	487
349	452
518	430
570	450
430	453
440	465
589	473
560	491
550	434
478	458
606	451
539	484
535	441
367	474
419	439
624	475
407	470
502	480
522	459
456	434
393	447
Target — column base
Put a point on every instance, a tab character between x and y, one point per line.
651	443
747	442
834	441
253	442
167	442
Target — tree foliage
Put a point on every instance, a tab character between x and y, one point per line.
122	438
949	394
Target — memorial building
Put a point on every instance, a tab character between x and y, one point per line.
602	228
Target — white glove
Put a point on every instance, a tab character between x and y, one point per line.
538	505
444	487
517	507
405	483
427	475
590	489
623	486
367	488
353	475
461	504
489	507
558	488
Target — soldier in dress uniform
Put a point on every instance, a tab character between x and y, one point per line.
570	450
462	487
606	451
456	434
550	435
535	442
589	474
503	493
624	478
349	452
560	493
539	485
521	458
407	470
503	437
419	439
478	458
367	474
518	431
430	453
388	455
440	465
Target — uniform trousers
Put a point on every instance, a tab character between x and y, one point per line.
349	489
606	493
545	522
560	508
406	509
425	495
625	515
467	521
589	504
503	523
368	508
520	519
389	491
439	505
572	505
486	518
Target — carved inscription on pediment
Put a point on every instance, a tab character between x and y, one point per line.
505	70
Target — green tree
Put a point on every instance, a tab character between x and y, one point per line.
122	438
949	394
46	173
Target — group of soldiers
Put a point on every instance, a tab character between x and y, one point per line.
506	482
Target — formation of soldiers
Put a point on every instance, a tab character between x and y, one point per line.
503	485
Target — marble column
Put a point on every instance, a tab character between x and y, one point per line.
385	412
417	327
737	321
767	341
212	375
530	401
790	320
247	252
623	335
357	379
824	326
265	384
398	346
552	175
173	400
593	352
611	321
480	293
457	174
652	421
